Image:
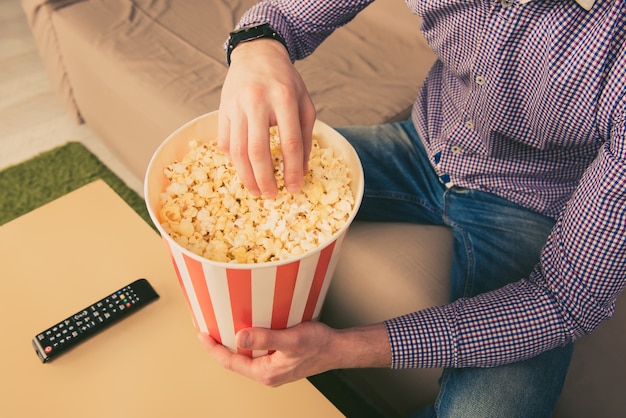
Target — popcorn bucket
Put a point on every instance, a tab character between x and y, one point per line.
226	297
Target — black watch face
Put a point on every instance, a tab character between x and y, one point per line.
249	32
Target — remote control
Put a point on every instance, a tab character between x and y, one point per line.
65	334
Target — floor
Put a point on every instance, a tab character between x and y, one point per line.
32	119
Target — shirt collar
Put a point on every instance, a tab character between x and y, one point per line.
585	4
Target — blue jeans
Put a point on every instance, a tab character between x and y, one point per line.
495	242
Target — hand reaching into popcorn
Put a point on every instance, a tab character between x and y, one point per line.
263	89
303	350
207	210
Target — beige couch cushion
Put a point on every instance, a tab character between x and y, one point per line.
136	70
39	14
408	271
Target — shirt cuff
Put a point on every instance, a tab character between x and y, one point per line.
422	339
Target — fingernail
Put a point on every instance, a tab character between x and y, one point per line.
293	187
244	339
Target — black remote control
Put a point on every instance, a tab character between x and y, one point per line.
86	322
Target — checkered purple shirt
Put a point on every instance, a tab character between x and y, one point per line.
527	101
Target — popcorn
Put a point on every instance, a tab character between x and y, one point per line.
206	208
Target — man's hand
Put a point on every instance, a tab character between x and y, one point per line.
303	350
263	89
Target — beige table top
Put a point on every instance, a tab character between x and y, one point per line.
72	252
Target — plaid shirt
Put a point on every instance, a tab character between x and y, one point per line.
527	101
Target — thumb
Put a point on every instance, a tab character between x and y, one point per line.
257	339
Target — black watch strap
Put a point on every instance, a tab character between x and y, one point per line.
251	33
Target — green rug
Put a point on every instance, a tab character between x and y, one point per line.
54	173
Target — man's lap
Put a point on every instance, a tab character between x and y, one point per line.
495	242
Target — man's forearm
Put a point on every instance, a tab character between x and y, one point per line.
363	347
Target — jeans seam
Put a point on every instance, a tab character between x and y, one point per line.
404	197
469	254
468	247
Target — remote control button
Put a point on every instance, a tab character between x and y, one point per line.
47	350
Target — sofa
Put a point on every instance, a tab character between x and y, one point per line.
135	70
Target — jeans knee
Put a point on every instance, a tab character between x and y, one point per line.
525	389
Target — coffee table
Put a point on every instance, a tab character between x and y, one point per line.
70	253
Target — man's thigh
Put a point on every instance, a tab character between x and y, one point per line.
496	242
495	239
400	184
525	389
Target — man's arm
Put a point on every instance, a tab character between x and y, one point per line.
263	89
572	290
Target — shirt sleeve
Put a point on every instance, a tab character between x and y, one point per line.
574	287
303	24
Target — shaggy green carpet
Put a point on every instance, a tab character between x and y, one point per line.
54	173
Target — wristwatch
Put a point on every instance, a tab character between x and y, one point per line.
251	33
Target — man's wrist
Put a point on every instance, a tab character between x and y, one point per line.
251	33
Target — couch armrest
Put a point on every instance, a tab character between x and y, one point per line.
40	16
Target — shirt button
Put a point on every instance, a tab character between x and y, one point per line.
507	3
456	150
480	80
469	124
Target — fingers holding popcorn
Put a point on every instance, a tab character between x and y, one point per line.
259	155
207	209
295	126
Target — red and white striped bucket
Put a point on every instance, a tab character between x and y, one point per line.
226	297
